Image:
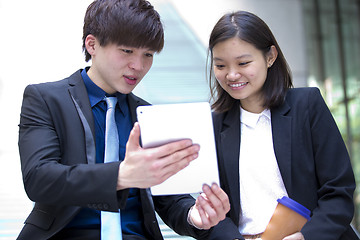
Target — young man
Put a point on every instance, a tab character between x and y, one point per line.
62	141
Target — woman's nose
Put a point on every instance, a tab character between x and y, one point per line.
233	75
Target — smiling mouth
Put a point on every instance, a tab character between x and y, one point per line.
235	85
130	80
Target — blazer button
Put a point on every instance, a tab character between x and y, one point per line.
106	206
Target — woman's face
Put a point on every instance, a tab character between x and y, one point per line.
241	70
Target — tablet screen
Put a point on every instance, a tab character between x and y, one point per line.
161	124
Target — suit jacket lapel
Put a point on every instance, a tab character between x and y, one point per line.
281	130
134	102
230	148
81	101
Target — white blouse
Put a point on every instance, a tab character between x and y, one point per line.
260	180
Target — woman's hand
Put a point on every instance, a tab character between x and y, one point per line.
210	207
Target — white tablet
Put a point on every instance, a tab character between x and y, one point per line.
161	124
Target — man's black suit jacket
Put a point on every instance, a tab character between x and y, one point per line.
312	159
57	150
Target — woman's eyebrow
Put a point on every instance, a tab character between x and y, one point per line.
239	57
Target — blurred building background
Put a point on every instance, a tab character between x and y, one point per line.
40	41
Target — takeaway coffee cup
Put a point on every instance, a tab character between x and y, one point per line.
288	218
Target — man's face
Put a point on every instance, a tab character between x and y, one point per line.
119	68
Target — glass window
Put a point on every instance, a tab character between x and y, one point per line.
333	48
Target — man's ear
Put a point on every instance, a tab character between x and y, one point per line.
271	56
90	44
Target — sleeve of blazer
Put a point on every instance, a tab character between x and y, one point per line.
174	211
336	184
225	230
53	158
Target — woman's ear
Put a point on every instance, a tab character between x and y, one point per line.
271	56
90	44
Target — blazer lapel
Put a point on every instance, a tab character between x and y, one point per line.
281	130
230	149
81	101
133	102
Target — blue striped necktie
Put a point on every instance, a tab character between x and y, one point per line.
111	221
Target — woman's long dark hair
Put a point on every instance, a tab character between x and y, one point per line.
250	28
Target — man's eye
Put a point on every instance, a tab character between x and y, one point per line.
127	50
149	55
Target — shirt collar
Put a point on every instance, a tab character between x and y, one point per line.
96	94
251	119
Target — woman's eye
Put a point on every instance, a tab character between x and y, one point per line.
219	66
243	63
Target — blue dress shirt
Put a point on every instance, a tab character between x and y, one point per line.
131	216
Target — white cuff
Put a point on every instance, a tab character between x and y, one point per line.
189	220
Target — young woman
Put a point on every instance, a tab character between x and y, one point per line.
274	140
